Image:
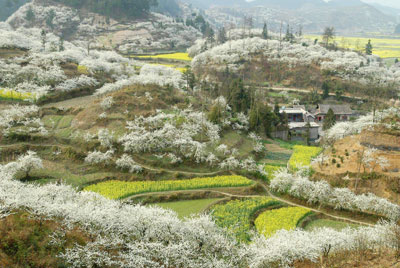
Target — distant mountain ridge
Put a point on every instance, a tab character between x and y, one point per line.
347	16
285	4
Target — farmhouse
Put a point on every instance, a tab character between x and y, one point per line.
342	112
297	113
301	122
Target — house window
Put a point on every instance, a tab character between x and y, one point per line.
319	118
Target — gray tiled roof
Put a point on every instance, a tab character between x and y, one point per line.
337	109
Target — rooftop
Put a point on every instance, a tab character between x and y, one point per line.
337	109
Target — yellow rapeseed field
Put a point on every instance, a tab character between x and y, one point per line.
122	189
303	155
271	221
15	95
383	47
269	169
236	215
172	56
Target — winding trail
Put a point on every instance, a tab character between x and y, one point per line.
179	171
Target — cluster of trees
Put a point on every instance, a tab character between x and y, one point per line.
322	193
203	26
21	120
343	129
113	8
248	101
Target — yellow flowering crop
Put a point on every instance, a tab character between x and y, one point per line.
236	215
271	221
172	56
270	170
83	69
303	155
122	189
15	95
383	47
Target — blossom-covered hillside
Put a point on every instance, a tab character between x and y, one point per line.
46	65
258	56
156	32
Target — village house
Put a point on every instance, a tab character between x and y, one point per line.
301	122
342	112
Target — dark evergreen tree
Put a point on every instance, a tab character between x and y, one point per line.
43	35
61	44
307	134
262	118
239	97
277	109
325	89
50	17
222	36
265	31
368	48
289	35
329	120
190	78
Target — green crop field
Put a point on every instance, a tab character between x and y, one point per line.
187	208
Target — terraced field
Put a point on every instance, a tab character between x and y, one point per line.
271	221
121	189
236	215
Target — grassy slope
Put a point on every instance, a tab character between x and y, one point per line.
188	207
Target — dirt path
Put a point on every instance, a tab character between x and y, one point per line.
179	171
197	191
80	102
